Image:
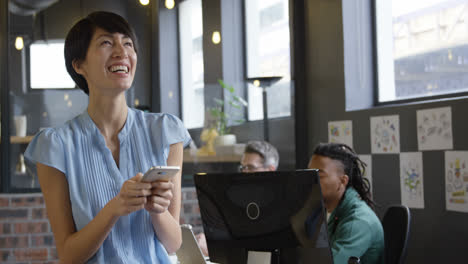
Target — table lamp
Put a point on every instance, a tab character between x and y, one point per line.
264	83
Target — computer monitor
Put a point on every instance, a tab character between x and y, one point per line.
280	212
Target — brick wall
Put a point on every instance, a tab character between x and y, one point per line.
25	235
190	212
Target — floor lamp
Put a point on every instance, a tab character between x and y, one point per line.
264	83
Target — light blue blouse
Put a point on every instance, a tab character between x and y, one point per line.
78	149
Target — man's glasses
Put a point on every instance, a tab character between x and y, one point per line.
248	168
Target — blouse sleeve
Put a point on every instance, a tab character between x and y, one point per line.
47	148
172	131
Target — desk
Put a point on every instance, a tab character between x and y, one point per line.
208	164
20	140
214	158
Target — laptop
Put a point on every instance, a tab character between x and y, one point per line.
189	252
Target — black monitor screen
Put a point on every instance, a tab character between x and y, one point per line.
281	212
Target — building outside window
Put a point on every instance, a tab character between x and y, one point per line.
268	54
191	56
54	75
422	48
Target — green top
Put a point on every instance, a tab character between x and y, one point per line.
355	230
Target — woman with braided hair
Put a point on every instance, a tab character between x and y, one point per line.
353	228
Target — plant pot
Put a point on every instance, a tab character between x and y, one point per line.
225	140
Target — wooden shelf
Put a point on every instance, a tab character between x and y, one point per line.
205	159
20	140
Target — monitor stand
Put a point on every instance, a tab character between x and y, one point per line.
259	257
286	256
265	257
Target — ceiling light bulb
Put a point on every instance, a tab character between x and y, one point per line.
144	2
170	4
216	38
256	83
19	43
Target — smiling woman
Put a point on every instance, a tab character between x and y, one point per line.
90	168
105	35
110	63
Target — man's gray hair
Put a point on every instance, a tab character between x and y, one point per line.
267	151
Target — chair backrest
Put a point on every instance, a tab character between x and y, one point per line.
396	225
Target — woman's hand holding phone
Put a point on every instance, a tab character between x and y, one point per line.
161	187
132	196
160	198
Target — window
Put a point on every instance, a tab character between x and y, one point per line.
47	66
267	44
191	56
422	48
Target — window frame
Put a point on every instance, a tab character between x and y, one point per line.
376	72
27	70
181	88
291	64
6	186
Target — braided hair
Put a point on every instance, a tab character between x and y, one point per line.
353	166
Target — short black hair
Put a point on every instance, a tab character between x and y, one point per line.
353	166
80	35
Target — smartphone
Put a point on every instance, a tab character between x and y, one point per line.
160	173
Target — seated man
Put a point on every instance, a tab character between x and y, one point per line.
353	228
258	156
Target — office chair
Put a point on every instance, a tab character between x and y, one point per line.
396	225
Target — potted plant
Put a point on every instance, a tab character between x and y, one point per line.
224	119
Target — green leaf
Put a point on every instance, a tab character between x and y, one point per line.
221	83
219	101
222	118
235	105
241	100
230	89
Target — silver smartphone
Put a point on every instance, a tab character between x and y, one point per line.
160	173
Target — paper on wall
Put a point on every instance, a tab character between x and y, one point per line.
341	132
385	134
435	128
411	179
456	180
